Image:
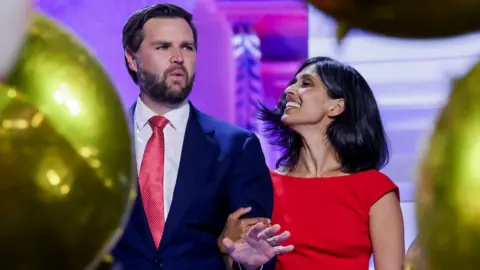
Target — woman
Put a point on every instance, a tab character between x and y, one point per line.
329	193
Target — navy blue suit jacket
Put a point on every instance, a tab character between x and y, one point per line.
222	168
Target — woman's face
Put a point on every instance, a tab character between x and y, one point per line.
308	102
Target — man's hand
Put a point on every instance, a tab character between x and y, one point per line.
236	228
258	246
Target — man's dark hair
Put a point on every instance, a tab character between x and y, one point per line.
133	29
357	134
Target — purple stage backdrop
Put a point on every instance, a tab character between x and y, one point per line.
224	87
99	24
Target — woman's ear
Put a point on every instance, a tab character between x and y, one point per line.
337	107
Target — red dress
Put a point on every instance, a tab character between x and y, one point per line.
328	219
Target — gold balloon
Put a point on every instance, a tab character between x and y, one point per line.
414	259
107	263
66	163
405	18
448	192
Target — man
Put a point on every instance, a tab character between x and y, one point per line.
193	170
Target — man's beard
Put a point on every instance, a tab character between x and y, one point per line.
158	90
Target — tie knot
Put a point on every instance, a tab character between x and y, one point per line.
158	122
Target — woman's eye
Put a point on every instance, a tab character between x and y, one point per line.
306	84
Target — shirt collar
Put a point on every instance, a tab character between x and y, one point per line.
178	117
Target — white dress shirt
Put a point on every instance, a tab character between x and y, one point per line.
174	134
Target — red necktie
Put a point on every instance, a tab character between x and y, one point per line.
151	178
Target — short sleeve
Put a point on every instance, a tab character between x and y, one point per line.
377	185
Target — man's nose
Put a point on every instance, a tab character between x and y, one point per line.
177	57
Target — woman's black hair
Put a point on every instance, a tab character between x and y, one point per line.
357	134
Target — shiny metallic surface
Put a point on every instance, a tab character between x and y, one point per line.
66	163
448	194
405	18
414	259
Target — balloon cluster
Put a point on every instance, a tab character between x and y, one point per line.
448	192
66	163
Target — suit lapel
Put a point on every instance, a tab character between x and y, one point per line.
131	121
197	154
137	233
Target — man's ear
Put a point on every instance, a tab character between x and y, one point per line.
130	58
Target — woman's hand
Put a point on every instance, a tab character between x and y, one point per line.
236	227
258	246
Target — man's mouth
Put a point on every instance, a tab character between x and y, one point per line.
177	74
